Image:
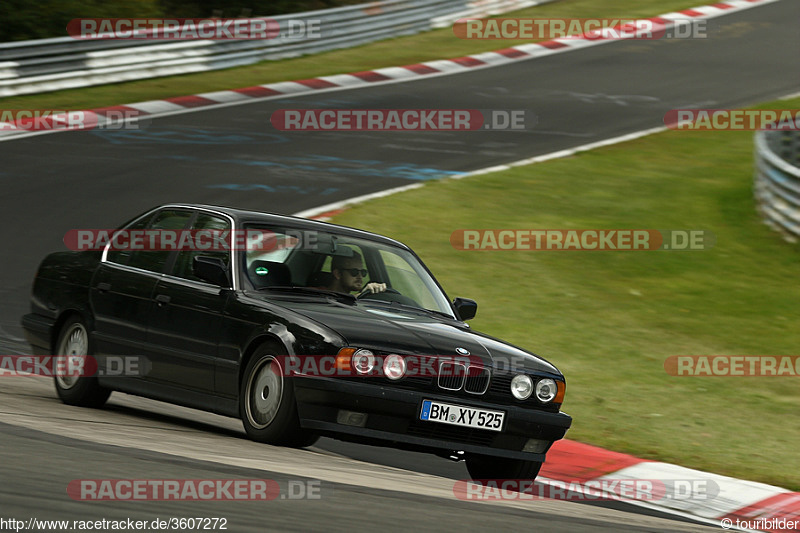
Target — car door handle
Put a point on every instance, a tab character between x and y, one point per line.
162	299
103	286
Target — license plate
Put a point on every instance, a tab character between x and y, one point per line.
458	415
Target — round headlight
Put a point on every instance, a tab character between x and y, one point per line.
521	387
546	390
394	367
363	361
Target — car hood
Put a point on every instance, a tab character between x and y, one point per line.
387	329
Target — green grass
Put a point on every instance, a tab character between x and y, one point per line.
609	319
427	46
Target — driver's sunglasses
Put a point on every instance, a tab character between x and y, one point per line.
355	271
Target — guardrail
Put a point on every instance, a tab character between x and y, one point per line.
28	67
777	180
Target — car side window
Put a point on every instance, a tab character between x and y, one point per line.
326	265
155	260
122	256
213	225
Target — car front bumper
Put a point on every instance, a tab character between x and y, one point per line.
392	417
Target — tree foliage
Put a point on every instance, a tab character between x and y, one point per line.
24	19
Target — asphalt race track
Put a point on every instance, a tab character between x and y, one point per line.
134	438
233	156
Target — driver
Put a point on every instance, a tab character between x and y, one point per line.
348	275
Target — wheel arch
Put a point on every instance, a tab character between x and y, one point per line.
255	343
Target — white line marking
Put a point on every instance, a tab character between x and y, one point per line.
345	80
224	96
308	213
493	58
156	107
286	87
396	73
447	66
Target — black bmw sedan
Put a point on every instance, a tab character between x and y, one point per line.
298	327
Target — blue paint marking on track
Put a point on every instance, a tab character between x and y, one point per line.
273	188
332	165
187	136
377	169
406	171
313	162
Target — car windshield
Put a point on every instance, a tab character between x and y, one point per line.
378	274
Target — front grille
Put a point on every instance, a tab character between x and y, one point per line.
451	375
477	380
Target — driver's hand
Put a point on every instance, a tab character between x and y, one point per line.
373	288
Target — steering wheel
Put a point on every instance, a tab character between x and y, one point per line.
388	290
390	295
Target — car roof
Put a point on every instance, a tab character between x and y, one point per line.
242	217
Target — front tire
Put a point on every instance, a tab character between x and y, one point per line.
81	391
499	468
267	404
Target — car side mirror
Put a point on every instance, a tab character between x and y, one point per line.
212	270
465	308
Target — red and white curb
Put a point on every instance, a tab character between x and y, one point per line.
442	67
574	462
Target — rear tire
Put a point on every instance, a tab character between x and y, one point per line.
81	391
499	468
267	403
